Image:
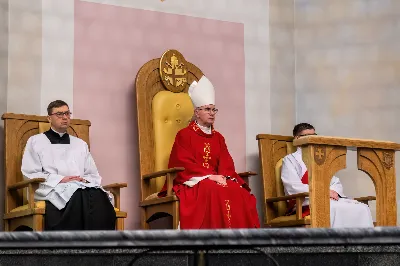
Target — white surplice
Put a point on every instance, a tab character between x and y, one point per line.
54	162
344	212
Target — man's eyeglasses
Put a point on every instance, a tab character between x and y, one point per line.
209	110
305	135
61	114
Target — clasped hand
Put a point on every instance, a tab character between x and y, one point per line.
72	178
333	195
220	179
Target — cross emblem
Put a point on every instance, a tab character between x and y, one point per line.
319	153
387	160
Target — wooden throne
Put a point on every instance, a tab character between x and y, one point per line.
21	211
163	108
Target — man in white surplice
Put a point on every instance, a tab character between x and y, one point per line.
74	197
344	212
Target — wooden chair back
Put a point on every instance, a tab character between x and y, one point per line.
272	150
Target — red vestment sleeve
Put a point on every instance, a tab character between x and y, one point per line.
183	155
226	166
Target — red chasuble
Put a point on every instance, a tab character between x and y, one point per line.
208	204
292	203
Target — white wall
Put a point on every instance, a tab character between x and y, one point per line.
348	74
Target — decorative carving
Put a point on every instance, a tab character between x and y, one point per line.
387	160
228	212
319	154
174	71
206	157
372	162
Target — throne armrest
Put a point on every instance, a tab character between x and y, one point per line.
299	197
171	174
115	189
173	170
247	174
365	199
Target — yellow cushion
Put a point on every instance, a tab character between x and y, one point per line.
281	219
171	112
38	205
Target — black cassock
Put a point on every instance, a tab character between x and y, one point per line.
88	209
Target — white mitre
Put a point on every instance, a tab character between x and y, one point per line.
202	92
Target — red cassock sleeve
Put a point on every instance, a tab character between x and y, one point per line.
182	155
226	166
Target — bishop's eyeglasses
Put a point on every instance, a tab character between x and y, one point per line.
209	110
61	114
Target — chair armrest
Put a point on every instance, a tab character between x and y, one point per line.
115	185
162	173
299	197
289	197
365	199
32	185
368	198
25	183
115	189
247	174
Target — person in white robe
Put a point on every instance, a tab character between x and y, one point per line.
74	197
344	212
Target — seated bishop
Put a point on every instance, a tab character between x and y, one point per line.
211	193
344	212
74	197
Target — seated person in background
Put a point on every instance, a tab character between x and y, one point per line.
211	193
344	212
74	197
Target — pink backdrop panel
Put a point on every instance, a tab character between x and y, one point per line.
111	44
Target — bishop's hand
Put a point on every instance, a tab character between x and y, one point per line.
220	179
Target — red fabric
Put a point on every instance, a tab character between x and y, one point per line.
292	203
207	204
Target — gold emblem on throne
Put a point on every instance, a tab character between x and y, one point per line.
387	160
173	71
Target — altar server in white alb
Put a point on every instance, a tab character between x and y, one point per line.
74	197
345	213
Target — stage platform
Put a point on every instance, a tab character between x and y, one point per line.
336	247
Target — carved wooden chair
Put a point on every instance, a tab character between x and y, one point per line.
21	210
272	150
163	108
